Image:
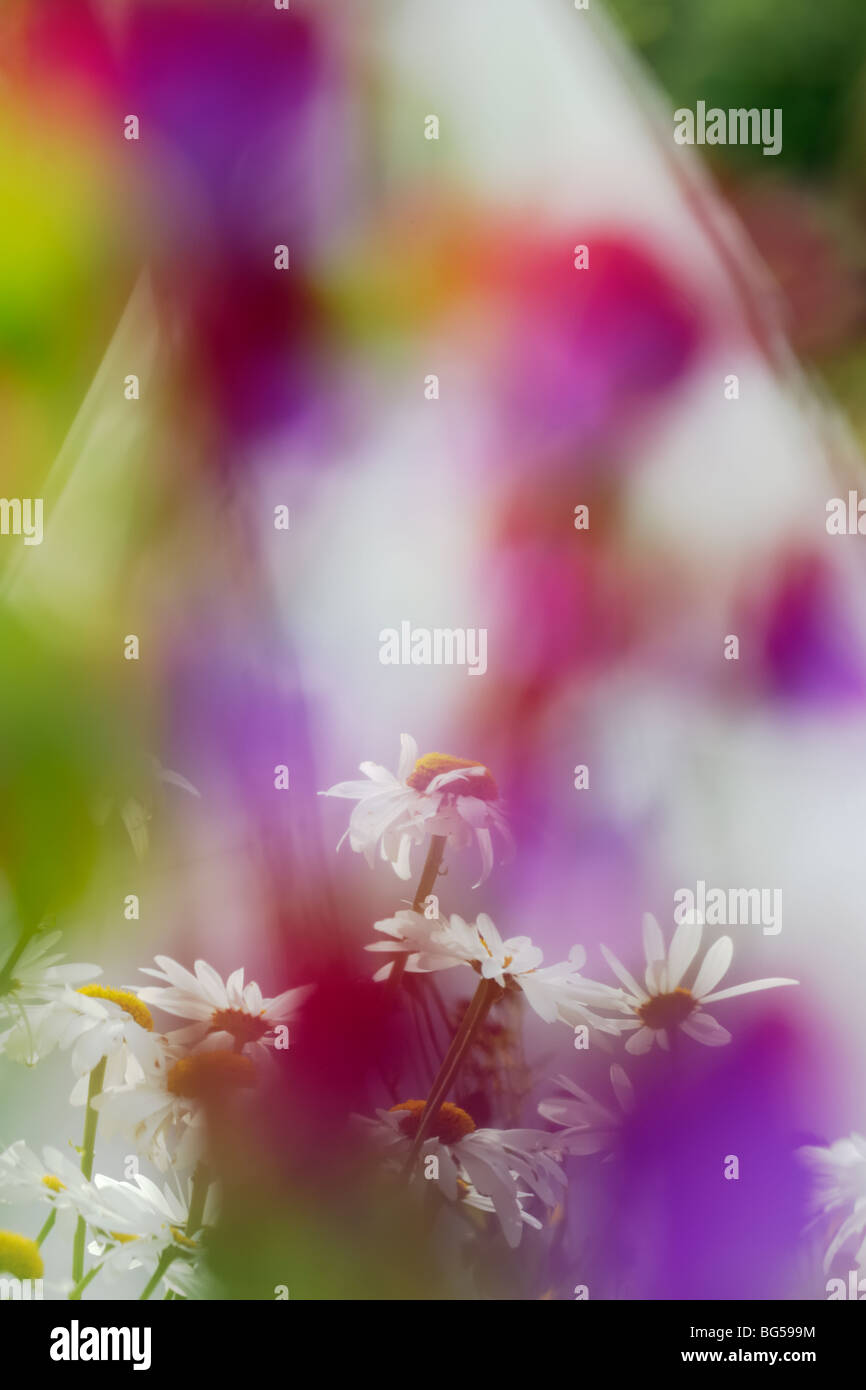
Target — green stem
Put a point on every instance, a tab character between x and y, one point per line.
198	1197
46	1229
429	874
472	1020
165	1260
17	952
91	1119
82	1283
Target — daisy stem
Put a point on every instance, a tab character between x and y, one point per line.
429	874
198	1197
46	1229
165	1260
15	955
472	1020
91	1119
82	1283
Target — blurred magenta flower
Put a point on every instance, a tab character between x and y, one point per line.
585	352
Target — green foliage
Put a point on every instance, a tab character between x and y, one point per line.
53	747
807	58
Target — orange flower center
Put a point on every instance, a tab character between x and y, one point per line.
244	1027
451	1125
667	1010
207	1075
433	765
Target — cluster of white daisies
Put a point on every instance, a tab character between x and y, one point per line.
153	1089
456	799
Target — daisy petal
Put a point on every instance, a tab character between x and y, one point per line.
485	844
620	971
584	1141
622	1088
408	756
640	1042
704	1029
653	941
352	791
402	865
747	988
176	974
713	966
380	775
686	940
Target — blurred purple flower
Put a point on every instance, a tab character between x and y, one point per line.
226	98
687	1230
811	652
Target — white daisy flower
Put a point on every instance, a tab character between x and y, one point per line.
666	1005
554	992
493	1164
163	1114
429	944
53	1179
227	1013
36	977
471	1197
91	1022
590	1127
433	795
136	1222
839	1191
560	993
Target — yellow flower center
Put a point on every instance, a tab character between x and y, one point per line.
244	1027
20	1257
667	1010
122	1239
206	1075
451	1124
53	1184
181	1238
433	765
130	1003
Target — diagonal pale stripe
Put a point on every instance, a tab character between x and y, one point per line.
93	491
